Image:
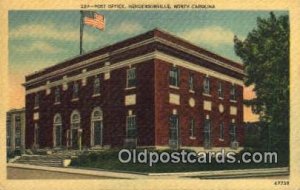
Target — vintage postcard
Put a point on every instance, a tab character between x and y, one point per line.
149	95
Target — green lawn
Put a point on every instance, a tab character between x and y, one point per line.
108	160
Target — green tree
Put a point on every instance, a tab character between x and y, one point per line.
265	54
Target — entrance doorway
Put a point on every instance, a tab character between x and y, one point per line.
75	130
75	143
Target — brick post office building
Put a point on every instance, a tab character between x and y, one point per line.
154	89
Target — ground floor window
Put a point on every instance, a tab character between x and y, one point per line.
232	132
97	127
221	130
57	131
131	127
207	133
174	131
75	130
36	135
192	128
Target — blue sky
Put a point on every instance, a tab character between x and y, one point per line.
43	38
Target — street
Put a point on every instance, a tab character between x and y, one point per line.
21	173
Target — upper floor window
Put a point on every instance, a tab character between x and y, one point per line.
97	85
220	90
36	100
206	85
233	93
131	77
191	82
192	128
75	90
57	95
131	127
174	77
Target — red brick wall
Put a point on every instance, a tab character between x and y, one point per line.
163	108
111	102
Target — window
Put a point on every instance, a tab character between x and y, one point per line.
57	131
97	127
207	133
174	76
220	90
232	132
8	125
173	131
192	128
191	82
36	100
131	77
75	133
131	127
96	86
75	120
57	95
206	85
36	135
233	93
17	131
75	90
222	131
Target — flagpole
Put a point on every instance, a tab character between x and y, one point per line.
81	30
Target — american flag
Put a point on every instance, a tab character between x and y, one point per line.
94	19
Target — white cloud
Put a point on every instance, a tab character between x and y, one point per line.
212	35
48	31
126	27
40	46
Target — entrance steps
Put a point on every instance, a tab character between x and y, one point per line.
54	159
41	160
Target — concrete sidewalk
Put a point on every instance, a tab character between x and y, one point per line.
134	175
